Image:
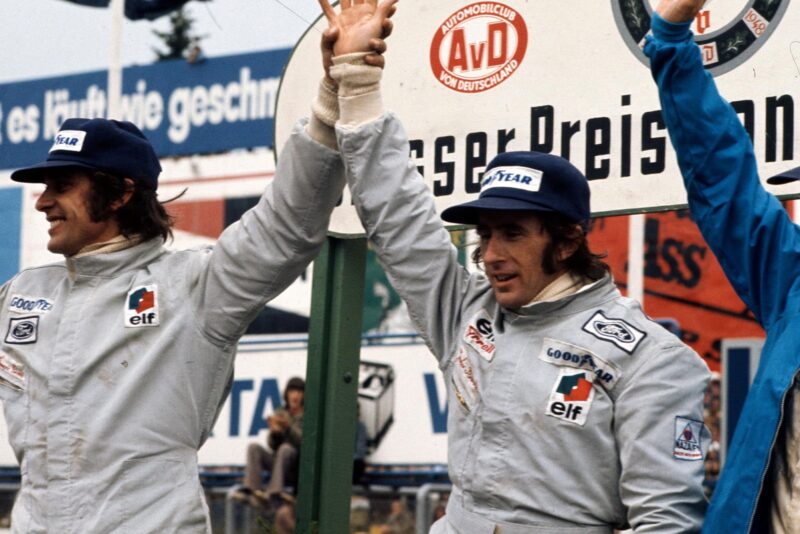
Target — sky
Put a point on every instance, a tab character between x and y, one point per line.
43	38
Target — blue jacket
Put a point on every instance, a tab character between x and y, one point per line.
756	244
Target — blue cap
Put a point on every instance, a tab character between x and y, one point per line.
528	181
115	147
785	177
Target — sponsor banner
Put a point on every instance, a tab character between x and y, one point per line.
472	79
184	108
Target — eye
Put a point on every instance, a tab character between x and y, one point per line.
512	233
483	233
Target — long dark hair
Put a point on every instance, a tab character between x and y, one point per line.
143	214
564	233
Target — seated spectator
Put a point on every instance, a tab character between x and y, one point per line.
282	453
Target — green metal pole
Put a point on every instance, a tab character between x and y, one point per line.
329	420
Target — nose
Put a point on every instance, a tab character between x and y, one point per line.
491	250
45	200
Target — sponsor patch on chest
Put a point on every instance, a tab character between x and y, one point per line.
12	373
561	353
464	381
616	331
26	304
22	330
479	335
687	439
141	307
572	396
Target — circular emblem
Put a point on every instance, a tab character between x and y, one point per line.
23	330
478	47
727	32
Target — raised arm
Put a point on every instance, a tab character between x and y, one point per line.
395	206
756	243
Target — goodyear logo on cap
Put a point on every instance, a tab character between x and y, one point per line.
523	178
71	140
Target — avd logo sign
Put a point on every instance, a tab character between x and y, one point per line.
478	47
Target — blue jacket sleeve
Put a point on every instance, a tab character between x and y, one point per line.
755	241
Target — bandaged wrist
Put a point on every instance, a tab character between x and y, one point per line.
324	114
359	89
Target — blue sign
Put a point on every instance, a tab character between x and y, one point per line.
10	231
214	105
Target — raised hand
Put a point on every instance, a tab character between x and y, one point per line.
679	10
360	26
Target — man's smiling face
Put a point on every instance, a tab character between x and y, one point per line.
65	202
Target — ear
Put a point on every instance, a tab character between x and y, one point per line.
568	248
126	196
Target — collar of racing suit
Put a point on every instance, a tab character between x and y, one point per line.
113	257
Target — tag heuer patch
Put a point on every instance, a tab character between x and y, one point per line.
141	307
687	439
22	330
572	396
479	334
562	353
616	331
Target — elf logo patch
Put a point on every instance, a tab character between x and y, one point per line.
572	396
22	330
687	439
624	335
141	307
478	47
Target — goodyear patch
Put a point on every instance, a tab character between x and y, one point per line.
71	140
572	396
557	352
687	444
616	331
22	330
479	335
27	304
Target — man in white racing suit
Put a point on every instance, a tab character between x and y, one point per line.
570	411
